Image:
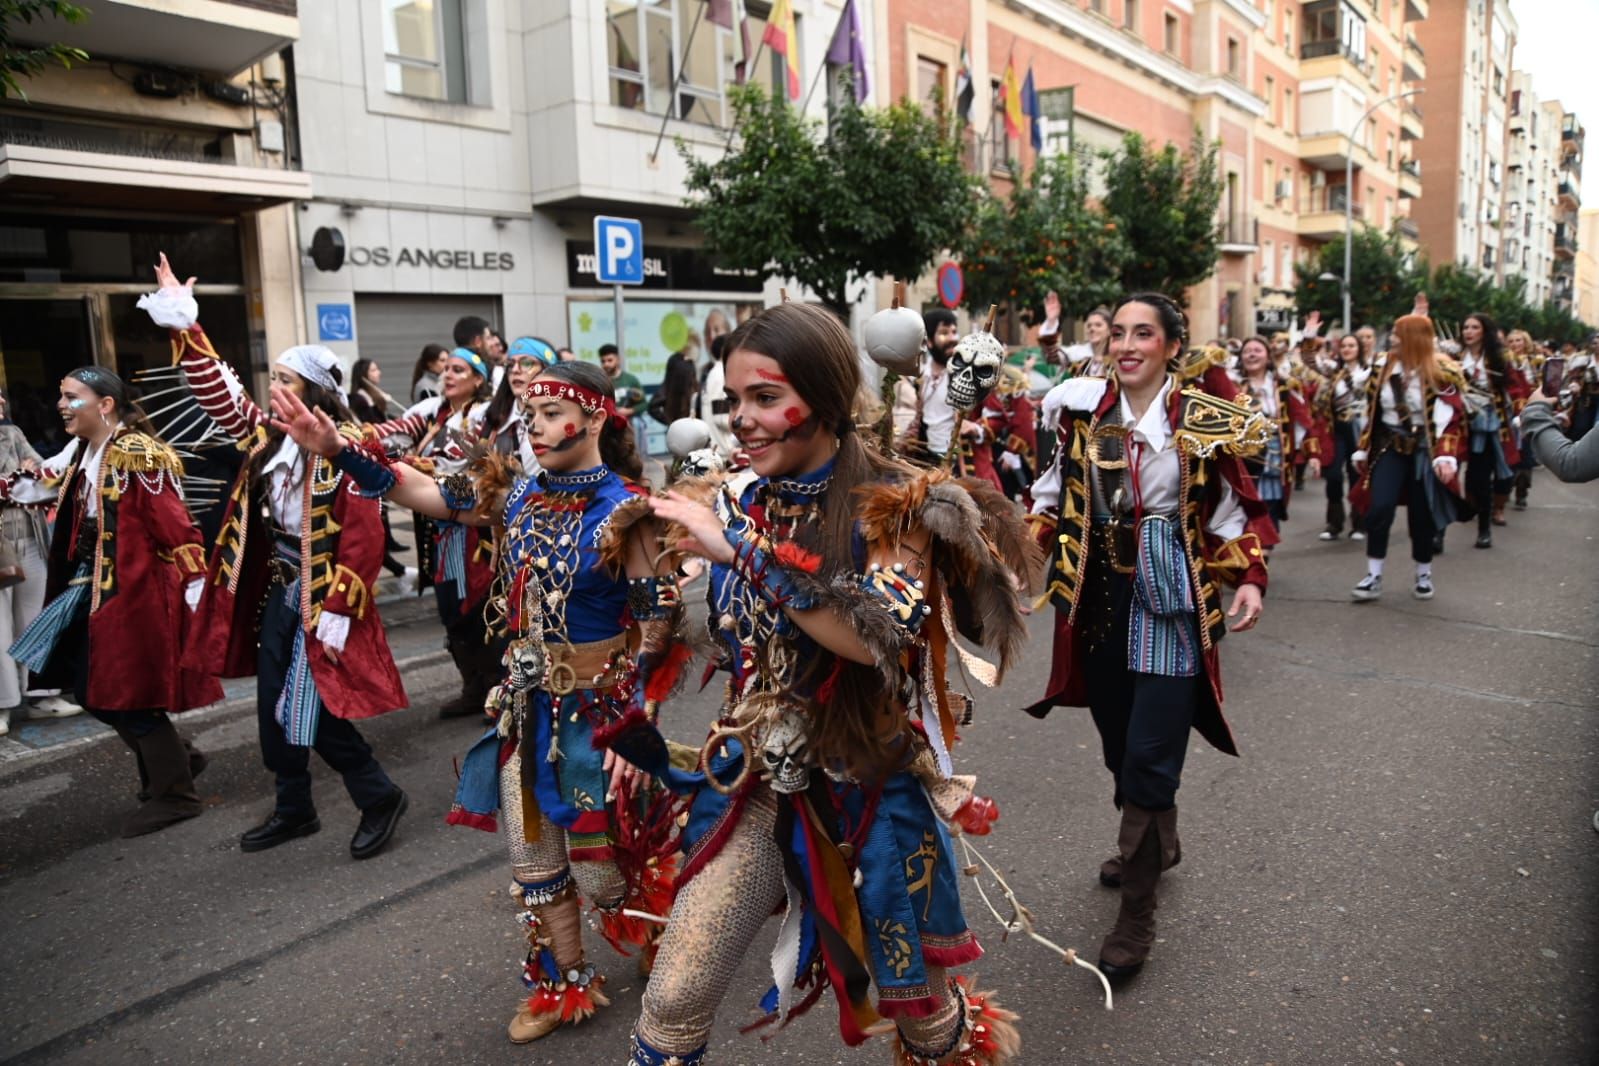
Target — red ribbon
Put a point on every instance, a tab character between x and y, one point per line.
586	399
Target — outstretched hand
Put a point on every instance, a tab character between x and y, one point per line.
166	279
704	529
310	428
1247	600
1052	306
1420	307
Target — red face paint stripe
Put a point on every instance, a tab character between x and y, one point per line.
771	375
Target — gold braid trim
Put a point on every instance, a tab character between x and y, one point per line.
1232	559
191	340
140	453
1210	423
356	594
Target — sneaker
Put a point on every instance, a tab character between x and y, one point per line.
1423	589
1370	588
53	707
5	721
1357	535
1326	534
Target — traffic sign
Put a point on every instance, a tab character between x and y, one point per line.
951	285
618	250
334	322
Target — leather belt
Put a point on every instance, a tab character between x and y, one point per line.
597	664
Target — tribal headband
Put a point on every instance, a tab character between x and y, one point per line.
587	400
473	360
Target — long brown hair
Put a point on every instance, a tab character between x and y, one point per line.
858	727
1414	344
617	447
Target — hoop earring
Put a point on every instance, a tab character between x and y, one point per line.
104	421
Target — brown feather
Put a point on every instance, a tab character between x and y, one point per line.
493	475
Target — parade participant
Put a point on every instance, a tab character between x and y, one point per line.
504	420
25	541
288	589
1495	391
1077	360
1149	511
837	575
1525	356
126	568
575	623
938	421
1410	452
1279	398
1339	411
1011	422
442	430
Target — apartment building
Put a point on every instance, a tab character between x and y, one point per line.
177	135
1297	94
1585	280
1568	193
1531	178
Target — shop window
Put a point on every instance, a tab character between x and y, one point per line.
424	49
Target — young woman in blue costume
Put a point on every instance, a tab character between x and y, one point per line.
836	580
576	625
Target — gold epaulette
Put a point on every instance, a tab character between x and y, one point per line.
1210	422
1199	360
141	453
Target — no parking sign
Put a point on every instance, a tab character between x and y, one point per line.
951	285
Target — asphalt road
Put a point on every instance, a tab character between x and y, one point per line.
1402	867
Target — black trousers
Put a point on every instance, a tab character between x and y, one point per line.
1392	476
1339	473
337	740
1143	719
1481	484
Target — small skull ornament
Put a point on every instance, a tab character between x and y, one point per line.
702	462
785	755
974	368
526	663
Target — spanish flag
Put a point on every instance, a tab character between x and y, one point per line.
781	38
1010	93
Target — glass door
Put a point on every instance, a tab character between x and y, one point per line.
41	341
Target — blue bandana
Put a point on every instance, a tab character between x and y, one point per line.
473	360
538	349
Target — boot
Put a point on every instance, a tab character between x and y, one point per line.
470	701
197	764
172	795
564	988
1146	843
1500	499
1523	484
1110	871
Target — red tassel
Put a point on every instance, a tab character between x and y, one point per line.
825	691
663	679
575	1003
793	556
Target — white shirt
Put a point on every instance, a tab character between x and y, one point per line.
91	476
1415	398
938	417
285	474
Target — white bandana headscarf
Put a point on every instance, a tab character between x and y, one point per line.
314	363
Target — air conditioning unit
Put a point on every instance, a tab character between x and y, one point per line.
1283	190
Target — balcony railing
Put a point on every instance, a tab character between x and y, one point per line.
1321	49
1327	198
1407	228
1239	232
1412	167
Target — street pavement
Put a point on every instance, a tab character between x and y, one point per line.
1402	867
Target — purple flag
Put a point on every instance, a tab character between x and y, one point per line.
848	49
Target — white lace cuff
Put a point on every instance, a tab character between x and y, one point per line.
192	592
332	630
173	307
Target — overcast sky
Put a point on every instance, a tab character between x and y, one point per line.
1557	47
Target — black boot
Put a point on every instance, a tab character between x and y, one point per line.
377	825
470	701
173	799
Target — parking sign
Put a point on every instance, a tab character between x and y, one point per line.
618	250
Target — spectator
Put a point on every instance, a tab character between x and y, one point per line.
477	336
368	401
629	394
1568	460
679	385
565	355
425	375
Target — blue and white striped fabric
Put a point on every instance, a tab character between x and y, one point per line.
452	556
299	704
38	642
1162	632
1269	482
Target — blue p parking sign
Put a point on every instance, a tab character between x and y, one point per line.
334	322
618	250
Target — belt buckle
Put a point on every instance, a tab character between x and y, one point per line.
563	679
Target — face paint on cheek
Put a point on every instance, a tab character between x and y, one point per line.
77	404
801	428
574	437
571	430
793	416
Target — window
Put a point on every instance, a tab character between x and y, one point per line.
1333	26
1234	57
999	153
1274	116
1097	6
1390	151
646	43
931	89
1288	28
1172	31
424	50
1130	15
1289	118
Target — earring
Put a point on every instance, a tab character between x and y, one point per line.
104	421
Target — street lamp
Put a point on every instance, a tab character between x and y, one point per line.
1349	197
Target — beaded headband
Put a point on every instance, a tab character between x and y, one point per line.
587	400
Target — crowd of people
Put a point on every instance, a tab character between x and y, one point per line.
850	544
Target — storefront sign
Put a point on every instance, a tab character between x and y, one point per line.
334	322
438	258
665	268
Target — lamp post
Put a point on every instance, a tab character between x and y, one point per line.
1349	197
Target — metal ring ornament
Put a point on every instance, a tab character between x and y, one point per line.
562	679
720	735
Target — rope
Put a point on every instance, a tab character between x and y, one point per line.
1021	918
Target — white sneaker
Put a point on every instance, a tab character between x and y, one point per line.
53	707
1370	588
1423	588
1357	535
1326	534
5	721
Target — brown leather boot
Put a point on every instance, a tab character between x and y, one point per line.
173	799
1500	500
573	993
1147	842
1110	871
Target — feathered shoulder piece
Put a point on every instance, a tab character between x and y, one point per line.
980	546
140	453
493	476
632	511
1209	423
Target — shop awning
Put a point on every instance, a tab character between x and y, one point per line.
218	36
65	178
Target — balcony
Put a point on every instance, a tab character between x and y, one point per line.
1565	242
1570	198
1407	228
1571	136
213	36
1415	60
1321	213
1416	10
1238	236
1410	179
1410	128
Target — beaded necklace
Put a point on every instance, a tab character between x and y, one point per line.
544	543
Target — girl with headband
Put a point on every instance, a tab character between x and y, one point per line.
125	571
826	787
505	420
441	431
1148	511
288	595
582	599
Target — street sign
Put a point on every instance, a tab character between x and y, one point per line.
334	322
951	285
618	250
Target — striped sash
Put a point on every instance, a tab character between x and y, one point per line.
299	705
38	642
1162	636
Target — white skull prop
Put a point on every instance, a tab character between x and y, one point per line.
526	663
785	754
687	435
894	338
974	368
702	462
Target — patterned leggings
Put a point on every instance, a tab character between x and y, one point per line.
716	918
545	858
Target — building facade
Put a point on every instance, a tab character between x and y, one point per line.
177	135
1531	177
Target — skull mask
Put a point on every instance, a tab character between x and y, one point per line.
974	368
785	755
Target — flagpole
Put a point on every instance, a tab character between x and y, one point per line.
752	68
677	80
